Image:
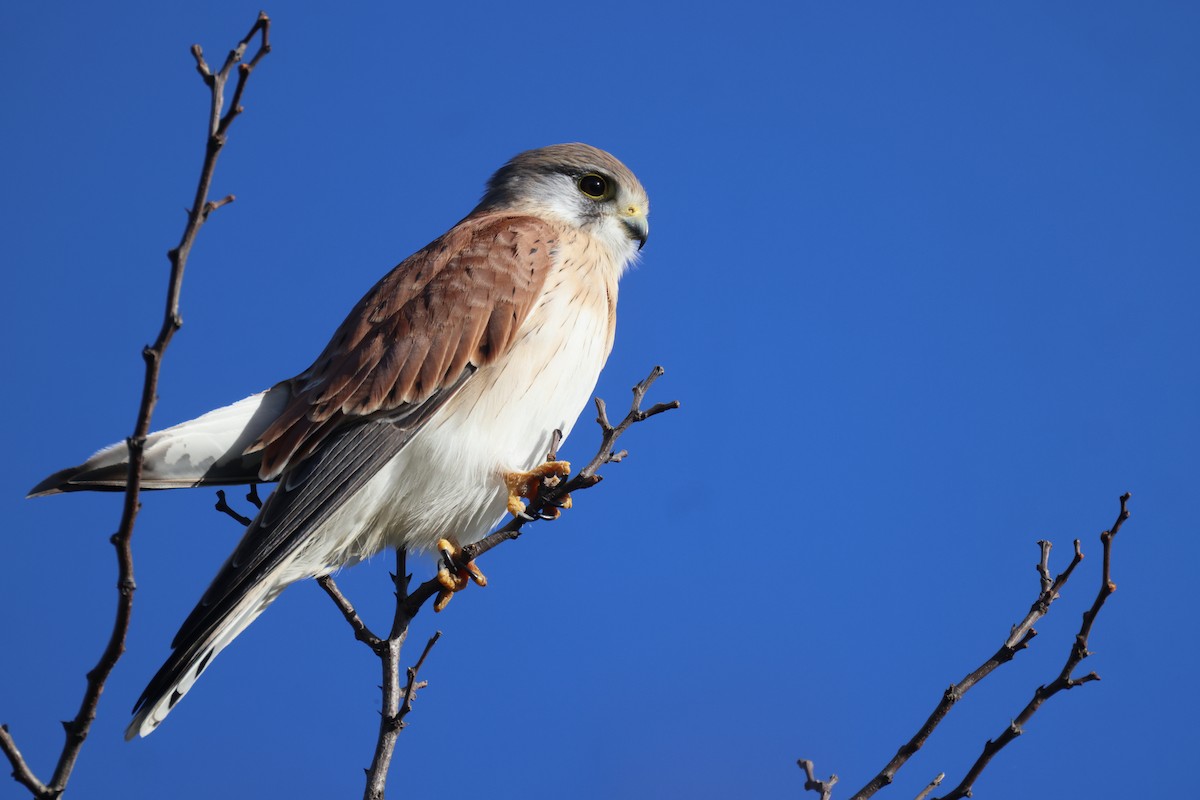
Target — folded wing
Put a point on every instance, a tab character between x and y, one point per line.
408	346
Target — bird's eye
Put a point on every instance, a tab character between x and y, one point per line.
593	185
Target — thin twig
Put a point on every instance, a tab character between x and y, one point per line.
556	440
1019	638
78	728
397	702
933	784
811	784
1063	681
224	507
21	773
412	685
389	662
361	631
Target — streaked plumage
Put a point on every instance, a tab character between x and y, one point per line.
451	372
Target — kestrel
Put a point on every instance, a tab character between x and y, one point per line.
428	415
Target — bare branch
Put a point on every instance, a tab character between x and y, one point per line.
556	440
202	65
1064	681
1019	638
213	205
78	728
933	784
21	773
361	631
1023	632
223	506
397	702
823	788
262	27
412	685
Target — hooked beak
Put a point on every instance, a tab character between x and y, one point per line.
636	226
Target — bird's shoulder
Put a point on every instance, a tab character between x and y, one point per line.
453	306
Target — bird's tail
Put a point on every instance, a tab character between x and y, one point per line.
192	656
206	450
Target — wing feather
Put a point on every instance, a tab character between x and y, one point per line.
456	304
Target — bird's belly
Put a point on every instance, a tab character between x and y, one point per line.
448	481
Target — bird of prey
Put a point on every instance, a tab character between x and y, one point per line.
428	415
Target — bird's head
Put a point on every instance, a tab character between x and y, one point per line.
579	184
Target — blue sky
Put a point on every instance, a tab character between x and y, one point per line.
924	277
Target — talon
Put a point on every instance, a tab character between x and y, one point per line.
528	484
515	506
448	550
452	575
474	574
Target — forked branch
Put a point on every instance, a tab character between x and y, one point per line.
812	784
1019	638
397	702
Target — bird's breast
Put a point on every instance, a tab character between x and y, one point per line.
449	479
509	408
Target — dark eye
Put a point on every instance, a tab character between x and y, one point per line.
593	185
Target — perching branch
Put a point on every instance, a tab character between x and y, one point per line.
1019	638
77	729
397	703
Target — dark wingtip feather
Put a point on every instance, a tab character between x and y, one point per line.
54	484
75	479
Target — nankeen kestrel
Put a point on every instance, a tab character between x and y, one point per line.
428	415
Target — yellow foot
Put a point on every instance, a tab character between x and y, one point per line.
456	580
528	484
